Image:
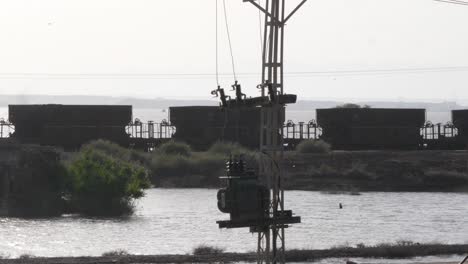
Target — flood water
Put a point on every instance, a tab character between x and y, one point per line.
170	221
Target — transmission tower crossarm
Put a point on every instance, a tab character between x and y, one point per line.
263	10
294	11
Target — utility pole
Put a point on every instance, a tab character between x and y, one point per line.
258	202
271	238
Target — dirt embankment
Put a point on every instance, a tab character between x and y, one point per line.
378	171
380	251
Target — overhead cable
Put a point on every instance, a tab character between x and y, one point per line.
457	2
229	40
217	55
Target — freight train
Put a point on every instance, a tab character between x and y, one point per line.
343	128
70	126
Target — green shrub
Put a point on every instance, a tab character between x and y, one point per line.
103	185
40	192
170	165
228	148
26	256
208	164
207	250
313	146
115	253
352	105
118	152
174	148
198	170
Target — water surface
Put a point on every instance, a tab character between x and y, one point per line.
170	221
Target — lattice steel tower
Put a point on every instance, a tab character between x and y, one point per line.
258	202
271	237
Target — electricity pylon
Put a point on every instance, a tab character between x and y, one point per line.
271	236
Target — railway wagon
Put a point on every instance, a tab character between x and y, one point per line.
70	126
371	128
201	126
460	121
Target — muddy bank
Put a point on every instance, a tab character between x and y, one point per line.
380	251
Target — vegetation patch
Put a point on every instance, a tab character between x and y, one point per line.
103	184
26	256
313	146
115	253
193	169
208	254
207	250
174	148
389	251
352	105
118	152
228	148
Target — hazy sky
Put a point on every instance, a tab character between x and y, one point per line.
118	47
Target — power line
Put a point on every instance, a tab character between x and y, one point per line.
229	39
217	44
172	76
453	2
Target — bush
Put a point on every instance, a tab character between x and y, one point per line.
38	193
118	152
313	146
228	148
351	105
174	148
178	170
115	253
207	164
169	165
207	250
26	256
103	185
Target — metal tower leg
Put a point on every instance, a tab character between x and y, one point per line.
263	250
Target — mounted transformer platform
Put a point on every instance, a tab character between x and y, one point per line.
248	202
